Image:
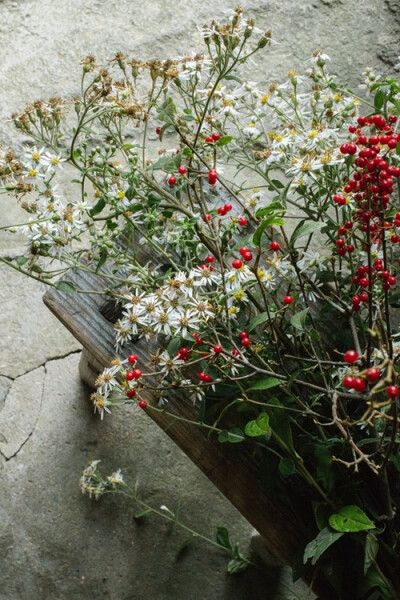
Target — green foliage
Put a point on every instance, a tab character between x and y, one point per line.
350	519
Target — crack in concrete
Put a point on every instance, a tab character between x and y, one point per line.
43	364
7	458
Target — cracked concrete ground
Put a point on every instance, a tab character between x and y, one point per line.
54	543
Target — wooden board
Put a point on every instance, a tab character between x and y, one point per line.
231	467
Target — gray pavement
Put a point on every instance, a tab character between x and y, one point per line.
54	543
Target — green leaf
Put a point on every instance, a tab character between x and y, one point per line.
128	146
166	111
350	519
374	580
130	192
103	258
183	547
233	436
277	184
66	286
21	260
398	148
273	207
237	565
222	537
280	425
97	208
379	99
259	426
371	550
233	78
258	320
287	466
224	140
269	222
395	460
323	460
173	346
169	164
265	384
305	228
299	319
142	514
318	545
322	512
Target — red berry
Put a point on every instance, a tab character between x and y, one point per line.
350	356
243	335
182	169
158	130
204	377
172	180
348	382
132	358
131	393
242	221
392	391
212	176
372	374
243	249
209	139
215	137
235	352
217	349
129	375
246	342
136	373
206	218
209	259
288	299
237	263
247	256
275	246
228	207
221	210
359	384
142	403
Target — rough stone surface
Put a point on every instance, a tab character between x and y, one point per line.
21	411
30	333
54	543
5	384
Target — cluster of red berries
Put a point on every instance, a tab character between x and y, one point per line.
212	176
245	253
214	137
365	276
222	210
182	170
372	182
132	375
371	375
199	341
204	377
244	339
183	354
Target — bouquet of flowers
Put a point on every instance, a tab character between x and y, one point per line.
250	233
